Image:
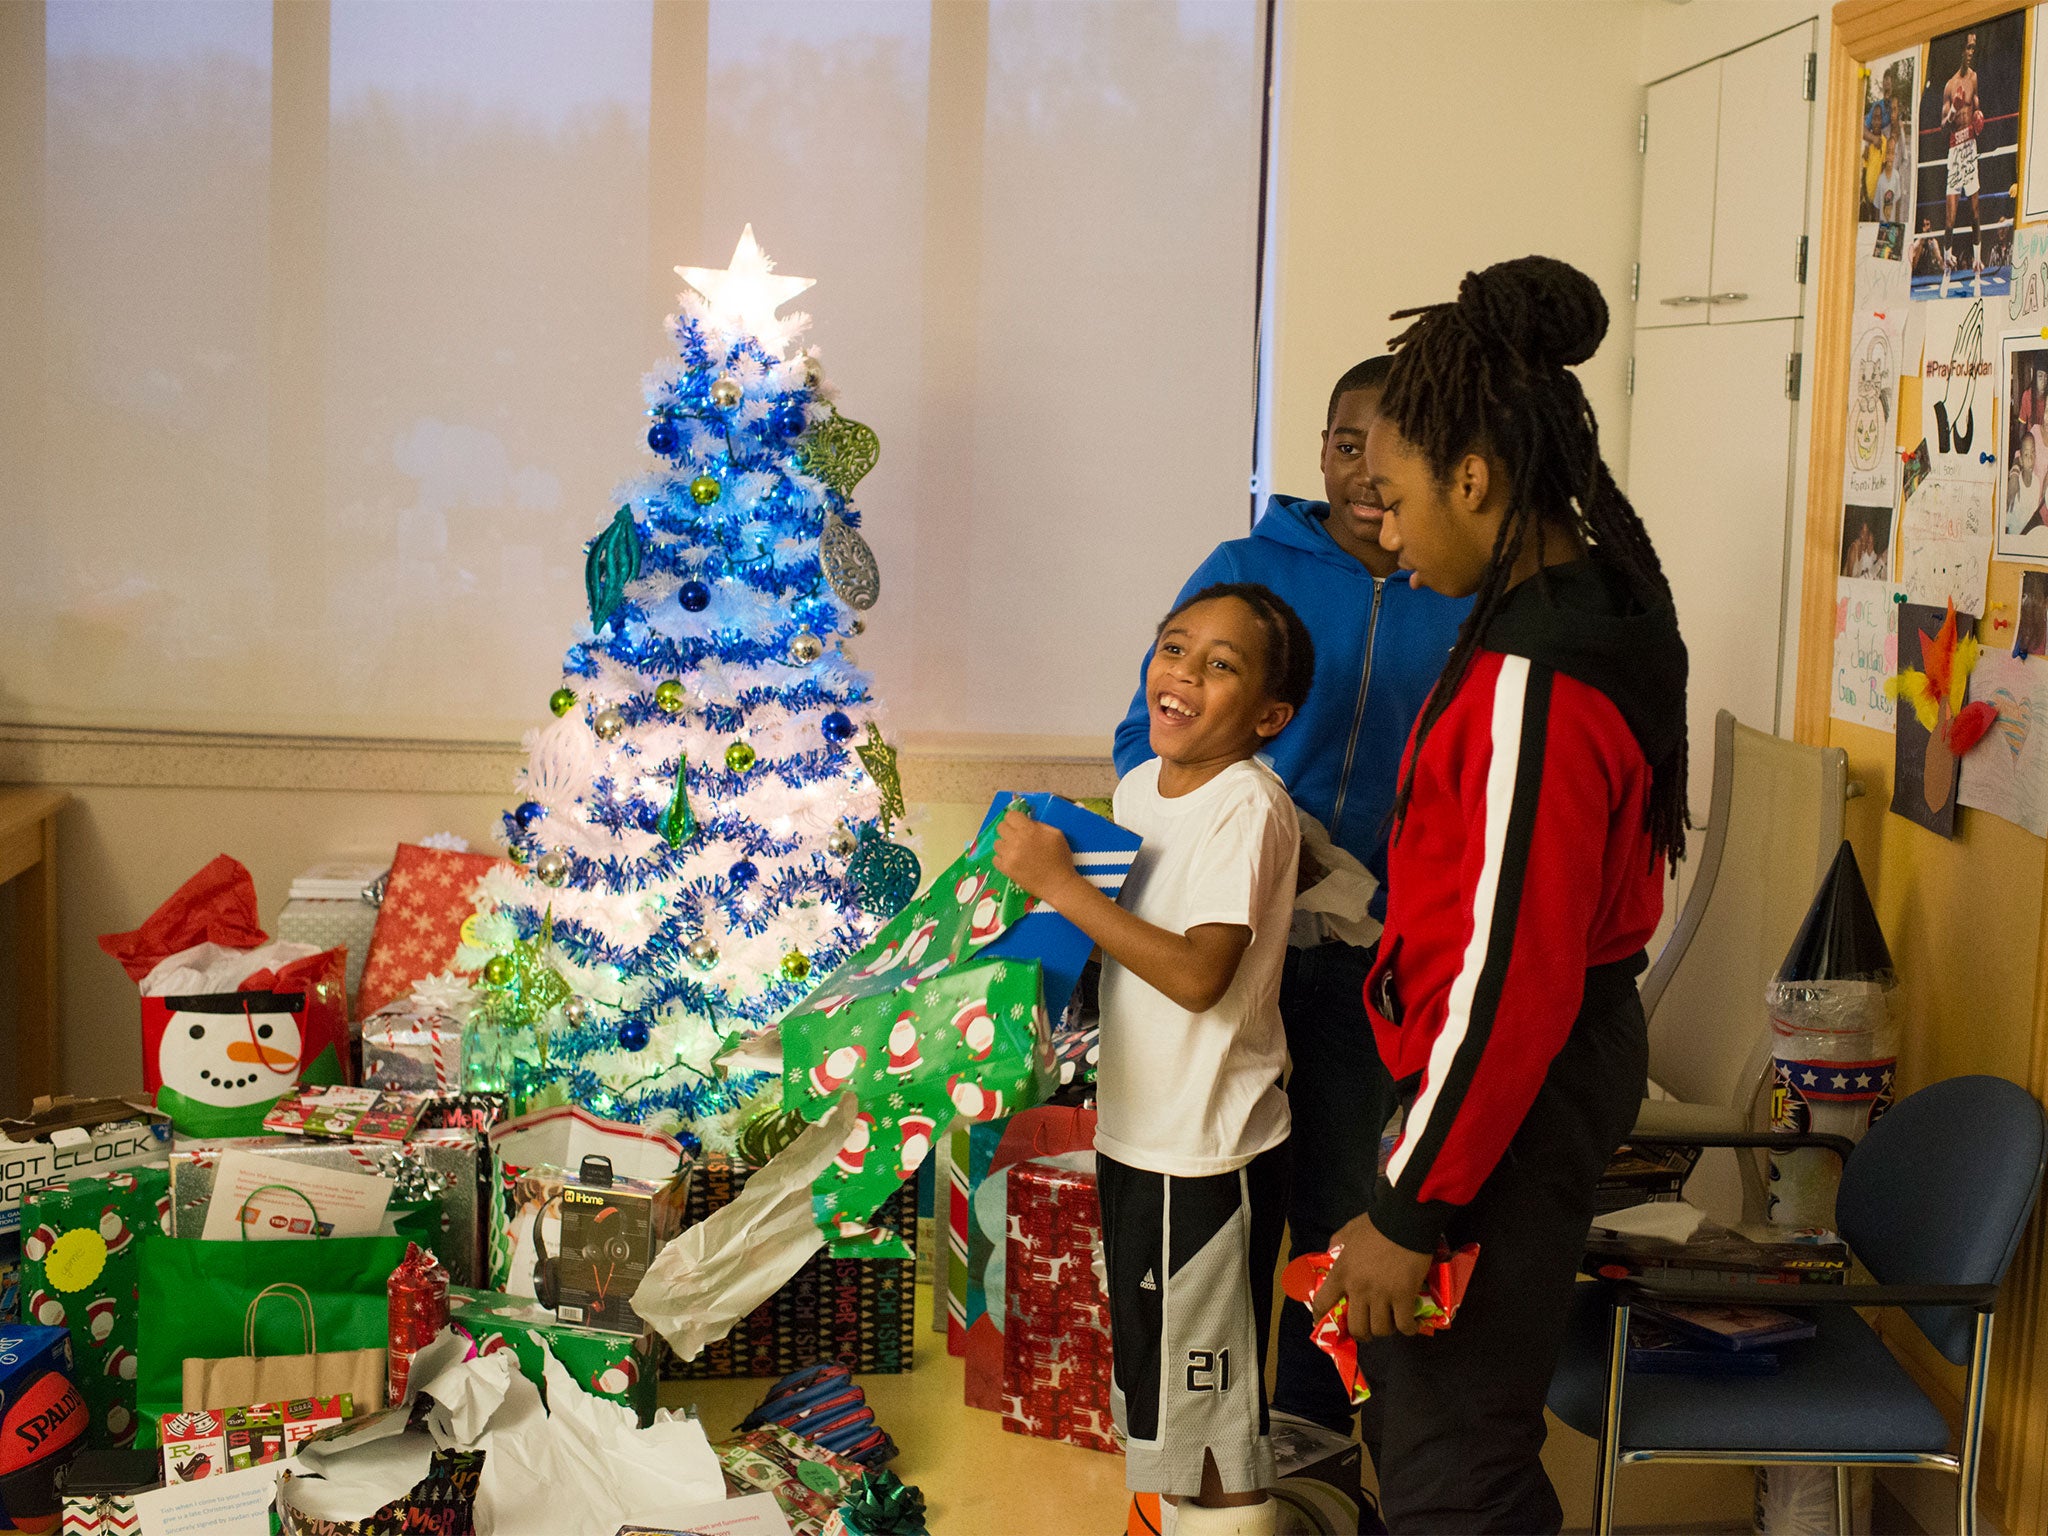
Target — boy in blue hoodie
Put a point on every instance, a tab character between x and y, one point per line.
1379	645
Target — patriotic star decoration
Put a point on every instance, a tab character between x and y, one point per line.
745	296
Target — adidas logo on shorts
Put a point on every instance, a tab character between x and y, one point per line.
1148	1283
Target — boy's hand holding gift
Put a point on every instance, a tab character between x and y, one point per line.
1429	1306
1034	855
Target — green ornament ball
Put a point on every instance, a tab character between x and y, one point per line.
497	970
704	490
739	757
562	700
668	696
796	965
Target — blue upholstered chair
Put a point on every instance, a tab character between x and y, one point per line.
1932	1203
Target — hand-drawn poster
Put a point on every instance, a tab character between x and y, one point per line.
1870	462
1924	776
2007	772
2035	204
1866	652
1968	160
1945	543
2027	305
1947	522
1885	194
2023	466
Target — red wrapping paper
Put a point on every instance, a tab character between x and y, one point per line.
216	906
1056	1332
419	926
1443	1292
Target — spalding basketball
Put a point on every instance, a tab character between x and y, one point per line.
39	1433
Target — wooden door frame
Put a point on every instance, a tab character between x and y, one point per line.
2013	1488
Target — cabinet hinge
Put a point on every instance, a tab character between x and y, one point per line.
1635	281
1799	263
1643	134
1812	75
1631	376
1792	375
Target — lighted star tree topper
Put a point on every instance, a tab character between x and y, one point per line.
705	823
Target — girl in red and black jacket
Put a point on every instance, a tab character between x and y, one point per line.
1541	795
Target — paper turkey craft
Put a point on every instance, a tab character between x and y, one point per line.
1936	691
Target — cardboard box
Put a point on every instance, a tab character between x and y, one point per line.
610	1234
67	1138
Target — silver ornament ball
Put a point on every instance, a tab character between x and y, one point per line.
608	724
703	953
725	392
552	867
805	648
858	627
574	1012
842	841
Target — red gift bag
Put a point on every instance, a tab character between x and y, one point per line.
430	894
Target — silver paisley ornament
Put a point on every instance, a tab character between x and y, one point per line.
849	564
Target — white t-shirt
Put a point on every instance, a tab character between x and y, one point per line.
1199	1093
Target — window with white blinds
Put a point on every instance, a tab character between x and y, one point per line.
340	308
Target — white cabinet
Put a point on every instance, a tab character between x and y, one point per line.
1676	262
1710	472
1724	187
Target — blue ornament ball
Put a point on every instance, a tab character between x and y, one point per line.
837	728
649	818
664	438
632	1036
788	419
527	814
694	596
742	872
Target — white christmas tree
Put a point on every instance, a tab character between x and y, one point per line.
704	825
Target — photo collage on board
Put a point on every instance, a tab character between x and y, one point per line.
1944	498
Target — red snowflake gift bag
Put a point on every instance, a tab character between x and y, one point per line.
231	1021
430	894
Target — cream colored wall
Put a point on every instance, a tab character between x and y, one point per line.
1417	142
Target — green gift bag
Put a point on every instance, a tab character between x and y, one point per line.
196	1297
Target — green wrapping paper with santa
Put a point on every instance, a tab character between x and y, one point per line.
944	1013
231	1021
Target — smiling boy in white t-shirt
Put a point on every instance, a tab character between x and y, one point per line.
1192	1115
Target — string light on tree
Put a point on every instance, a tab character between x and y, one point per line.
700	823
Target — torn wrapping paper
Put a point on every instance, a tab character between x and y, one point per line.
718	1271
944	1013
1443	1292
1338	904
859	1312
578	1467
230	1020
807	1481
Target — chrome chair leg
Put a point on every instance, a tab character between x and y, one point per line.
1843	1522
1972	1448
1610	1425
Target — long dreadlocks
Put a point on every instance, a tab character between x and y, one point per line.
1489	373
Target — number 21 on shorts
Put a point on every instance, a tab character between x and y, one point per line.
1208	1370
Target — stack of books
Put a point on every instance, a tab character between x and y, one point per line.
1679	1338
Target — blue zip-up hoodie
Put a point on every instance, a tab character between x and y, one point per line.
1380	644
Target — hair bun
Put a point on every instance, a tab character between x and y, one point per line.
1544	310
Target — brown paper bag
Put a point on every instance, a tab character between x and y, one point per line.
236	1381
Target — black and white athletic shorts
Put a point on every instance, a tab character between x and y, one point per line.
1183	1329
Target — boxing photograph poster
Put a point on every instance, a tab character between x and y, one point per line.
1966	191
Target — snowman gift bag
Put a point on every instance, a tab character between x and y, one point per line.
80	1269
231	1021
